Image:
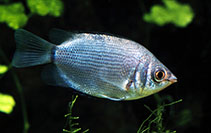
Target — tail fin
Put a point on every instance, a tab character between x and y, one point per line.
31	50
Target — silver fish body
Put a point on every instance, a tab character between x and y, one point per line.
96	64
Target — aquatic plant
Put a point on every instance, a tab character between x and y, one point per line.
172	12
8	99
3	69
45	7
6	103
14	13
155	120
71	124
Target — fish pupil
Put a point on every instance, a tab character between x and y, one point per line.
159	75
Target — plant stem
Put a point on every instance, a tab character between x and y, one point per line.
23	104
20	91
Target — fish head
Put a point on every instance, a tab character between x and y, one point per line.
152	77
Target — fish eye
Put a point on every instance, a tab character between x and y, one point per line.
159	75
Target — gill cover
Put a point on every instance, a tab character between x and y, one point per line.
141	76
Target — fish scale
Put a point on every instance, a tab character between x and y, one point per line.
99	65
93	58
97	59
88	65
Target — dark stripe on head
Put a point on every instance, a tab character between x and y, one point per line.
143	75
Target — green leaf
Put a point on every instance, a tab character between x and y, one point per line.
157	122
45	7
173	12
72	125
6	103
3	69
13	15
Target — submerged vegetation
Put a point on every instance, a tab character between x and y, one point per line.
155	124
3	69
15	15
152	124
173	12
46	7
6	103
71	124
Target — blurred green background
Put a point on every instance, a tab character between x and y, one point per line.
175	31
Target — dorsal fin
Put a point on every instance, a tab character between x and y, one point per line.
58	36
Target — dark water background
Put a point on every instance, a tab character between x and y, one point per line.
185	51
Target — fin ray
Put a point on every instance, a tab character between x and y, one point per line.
111	98
51	75
59	36
31	50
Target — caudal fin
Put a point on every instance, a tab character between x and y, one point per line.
31	50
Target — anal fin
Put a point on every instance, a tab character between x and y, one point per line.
52	75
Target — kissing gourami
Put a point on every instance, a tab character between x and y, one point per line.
99	65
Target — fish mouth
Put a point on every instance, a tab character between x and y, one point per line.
172	79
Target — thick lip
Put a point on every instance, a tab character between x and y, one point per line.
172	79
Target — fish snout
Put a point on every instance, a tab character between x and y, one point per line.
172	79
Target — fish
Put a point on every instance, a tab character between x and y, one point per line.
99	65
